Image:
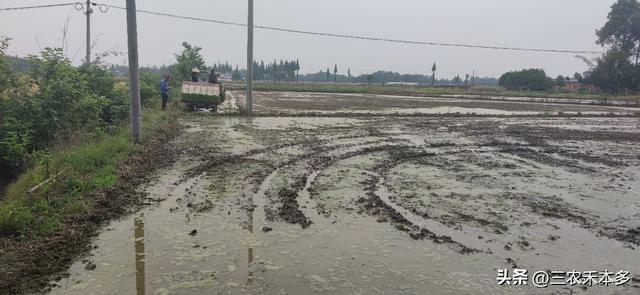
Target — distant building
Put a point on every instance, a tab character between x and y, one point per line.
401	84
575	85
225	77
572	85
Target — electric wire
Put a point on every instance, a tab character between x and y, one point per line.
37	6
324	34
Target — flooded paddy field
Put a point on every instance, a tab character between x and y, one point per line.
389	205
332	103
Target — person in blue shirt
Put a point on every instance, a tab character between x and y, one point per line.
164	91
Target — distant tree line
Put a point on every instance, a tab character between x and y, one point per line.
382	77
283	70
289	70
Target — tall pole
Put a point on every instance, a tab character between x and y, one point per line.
134	75
250	59
89	11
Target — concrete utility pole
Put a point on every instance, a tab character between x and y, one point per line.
250	59
88	12
134	75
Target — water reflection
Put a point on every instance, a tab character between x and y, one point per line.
250	260
250	250
138	223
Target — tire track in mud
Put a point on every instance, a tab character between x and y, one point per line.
375	203
290	209
551	206
212	161
294	203
555	207
410	218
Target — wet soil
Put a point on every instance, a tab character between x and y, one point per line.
293	205
292	103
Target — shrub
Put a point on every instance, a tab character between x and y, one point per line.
149	87
52	102
14	219
531	79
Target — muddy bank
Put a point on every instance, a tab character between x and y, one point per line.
29	266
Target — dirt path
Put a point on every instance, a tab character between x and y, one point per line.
379	205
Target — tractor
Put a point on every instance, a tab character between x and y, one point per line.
202	95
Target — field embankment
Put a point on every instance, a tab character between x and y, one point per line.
478	92
95	181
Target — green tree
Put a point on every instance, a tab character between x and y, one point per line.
618	70
531	79
615	73
457	80
349	73
335	73
561	81
622	29
433	74
5	74
189	58
578	77
235	75
328	75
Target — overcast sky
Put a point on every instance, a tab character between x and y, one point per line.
553	24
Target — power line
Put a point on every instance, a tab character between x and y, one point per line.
343	36
346	36
36	6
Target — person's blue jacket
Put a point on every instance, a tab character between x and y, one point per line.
164	87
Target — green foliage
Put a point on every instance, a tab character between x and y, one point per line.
86	167
622	29
284	70
618	70
14	218
149	89
615	73
188	59
531	79
5	74
235	75
561	81
53	101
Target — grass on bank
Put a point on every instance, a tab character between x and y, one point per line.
424	91
86	167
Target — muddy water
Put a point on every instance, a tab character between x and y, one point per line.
342	206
